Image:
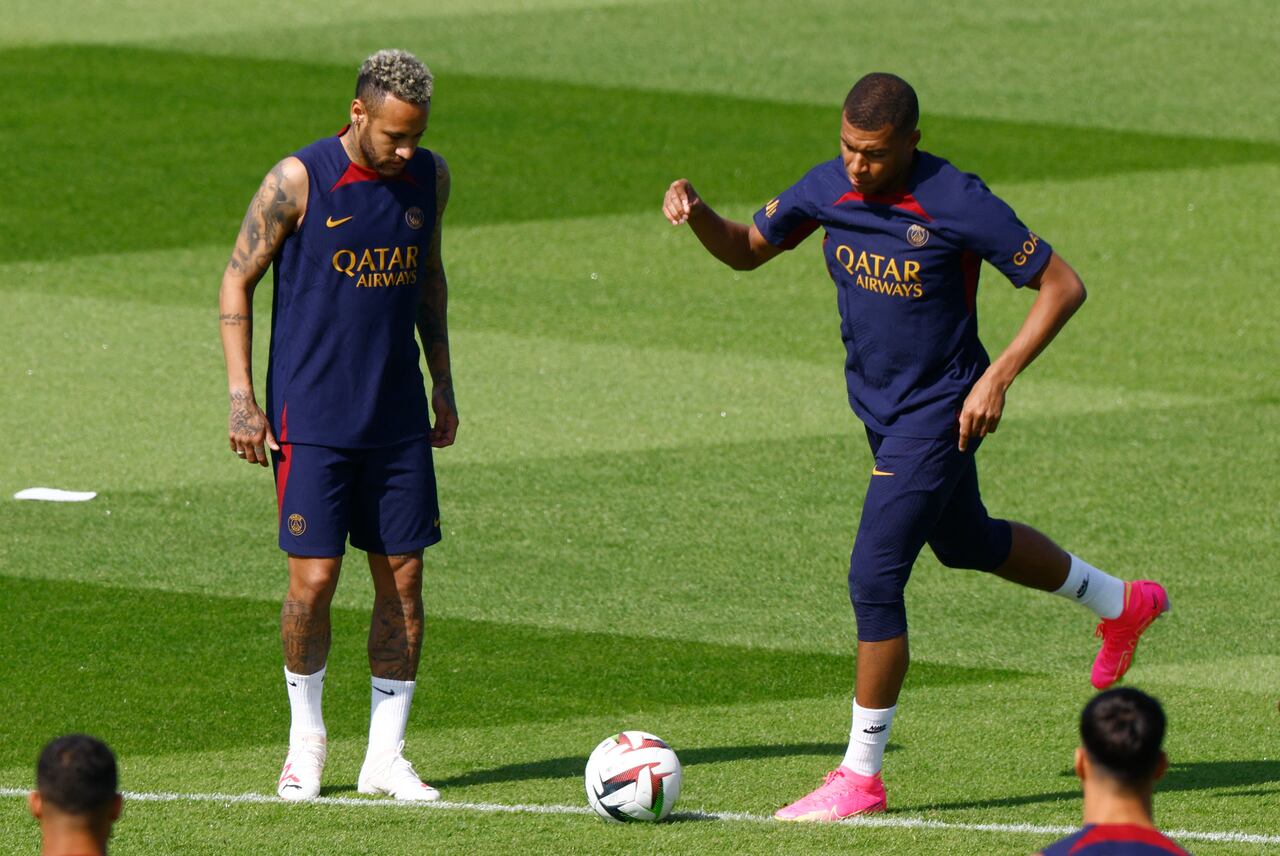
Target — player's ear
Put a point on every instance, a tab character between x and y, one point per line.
117	806
1082	764
1162	767
359	113
34	804
915	138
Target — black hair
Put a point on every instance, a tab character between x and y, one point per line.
77	774
880	99
1122	730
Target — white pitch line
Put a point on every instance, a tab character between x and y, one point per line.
442	805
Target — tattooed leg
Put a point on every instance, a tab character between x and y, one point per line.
304	618
395	631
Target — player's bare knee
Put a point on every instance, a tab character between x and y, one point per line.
313	580
409	586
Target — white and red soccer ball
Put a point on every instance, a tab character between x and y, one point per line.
633	776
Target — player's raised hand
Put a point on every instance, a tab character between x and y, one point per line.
445	430
681	202
247	429
982	410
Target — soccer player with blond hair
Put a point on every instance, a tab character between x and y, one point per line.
351	225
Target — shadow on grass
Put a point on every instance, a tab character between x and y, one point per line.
572	766
518	142
102	650
1191	776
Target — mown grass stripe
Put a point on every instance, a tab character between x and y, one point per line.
529	808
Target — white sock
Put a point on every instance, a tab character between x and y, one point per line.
388	715
1098	590
304	704
867	738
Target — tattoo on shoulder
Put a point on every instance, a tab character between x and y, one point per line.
265	223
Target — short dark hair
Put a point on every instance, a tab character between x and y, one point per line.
77	773
1122	730
880	99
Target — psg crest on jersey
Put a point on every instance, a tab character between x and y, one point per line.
414	217
917	235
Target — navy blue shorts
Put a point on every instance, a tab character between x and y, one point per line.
921	491
385	499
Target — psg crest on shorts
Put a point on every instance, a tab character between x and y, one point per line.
414	217
917	235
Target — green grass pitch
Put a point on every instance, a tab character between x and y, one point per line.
657	479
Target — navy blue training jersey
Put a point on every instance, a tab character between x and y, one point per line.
344	363
906	273
1114	839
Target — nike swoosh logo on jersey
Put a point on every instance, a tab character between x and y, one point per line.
330	222
876	471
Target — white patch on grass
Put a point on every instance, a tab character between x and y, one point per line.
53	494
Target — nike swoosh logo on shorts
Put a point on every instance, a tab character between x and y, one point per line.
876	471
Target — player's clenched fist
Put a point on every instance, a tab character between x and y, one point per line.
681	202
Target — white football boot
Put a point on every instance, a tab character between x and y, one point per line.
391	773
300	778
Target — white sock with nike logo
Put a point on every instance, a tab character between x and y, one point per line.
867	738
304	704
388	714
1098	590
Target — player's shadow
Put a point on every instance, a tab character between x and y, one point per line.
1190	776
571	766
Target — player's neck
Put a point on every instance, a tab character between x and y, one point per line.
1114	805
352	148
73	843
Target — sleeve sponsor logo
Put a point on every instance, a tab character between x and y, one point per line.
1027	250
379	267
297	524
414	217
917	235
881	274
771	208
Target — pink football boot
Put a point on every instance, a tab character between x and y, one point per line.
1144	602
843	794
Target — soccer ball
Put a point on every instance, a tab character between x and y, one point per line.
632	776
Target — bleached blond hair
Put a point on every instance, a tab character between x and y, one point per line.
394	72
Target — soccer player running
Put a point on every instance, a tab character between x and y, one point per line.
905	234
1118	762
75	800
351	224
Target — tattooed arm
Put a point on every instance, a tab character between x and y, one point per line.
433	328
276	210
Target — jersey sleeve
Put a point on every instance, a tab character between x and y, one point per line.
788	218
991	229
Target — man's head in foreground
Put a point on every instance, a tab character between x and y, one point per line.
1121	732
75	799
878	134
389	111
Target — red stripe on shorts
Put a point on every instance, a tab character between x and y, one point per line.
286	458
